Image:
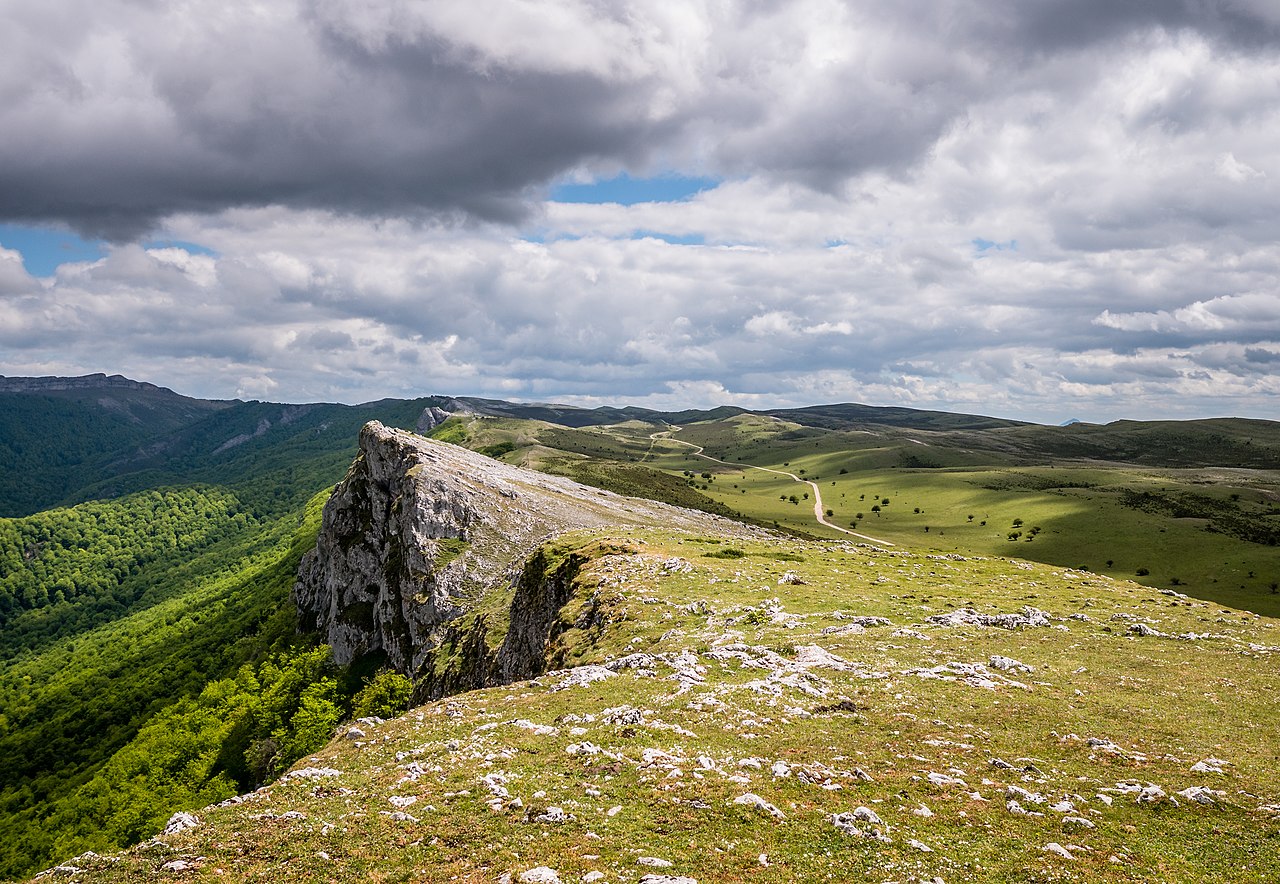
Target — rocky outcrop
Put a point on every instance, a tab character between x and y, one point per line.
420	533
434	415
464	660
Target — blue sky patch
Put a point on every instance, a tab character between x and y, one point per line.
987	245
688	239
542	237
44	248
627	191
191	247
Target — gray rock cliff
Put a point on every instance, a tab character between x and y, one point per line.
419	532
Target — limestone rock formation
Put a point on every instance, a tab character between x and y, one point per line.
420	531
434	415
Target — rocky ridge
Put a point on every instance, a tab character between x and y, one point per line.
84	382
421	533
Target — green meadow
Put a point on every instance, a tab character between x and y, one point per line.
1207	530
745	707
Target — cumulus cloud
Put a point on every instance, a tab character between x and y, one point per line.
1028	208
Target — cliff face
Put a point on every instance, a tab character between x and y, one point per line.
420	533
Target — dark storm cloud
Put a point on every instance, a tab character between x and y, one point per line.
117	114
1057	24
122	127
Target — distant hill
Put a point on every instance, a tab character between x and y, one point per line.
65	440
1226	442
849	416
57	433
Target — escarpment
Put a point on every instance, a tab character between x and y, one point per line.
420	533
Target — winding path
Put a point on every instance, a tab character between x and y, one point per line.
819	512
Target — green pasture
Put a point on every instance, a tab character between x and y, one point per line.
1071	514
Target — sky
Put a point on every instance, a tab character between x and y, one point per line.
1035	209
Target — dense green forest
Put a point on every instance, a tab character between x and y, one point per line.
203	694
149	659
66	569
52	444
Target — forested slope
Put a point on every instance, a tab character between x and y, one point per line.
148	652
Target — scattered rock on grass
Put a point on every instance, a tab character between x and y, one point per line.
1026	618
180	822
553	815
1209	765
753	800
310	773
580	676
1055	848
1008	664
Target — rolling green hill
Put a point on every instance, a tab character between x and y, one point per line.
1191	506
148	657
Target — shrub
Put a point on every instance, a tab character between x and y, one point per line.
386	696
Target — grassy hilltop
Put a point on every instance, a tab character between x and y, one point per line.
785	710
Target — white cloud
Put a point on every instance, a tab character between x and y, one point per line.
1037	210
1234	170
